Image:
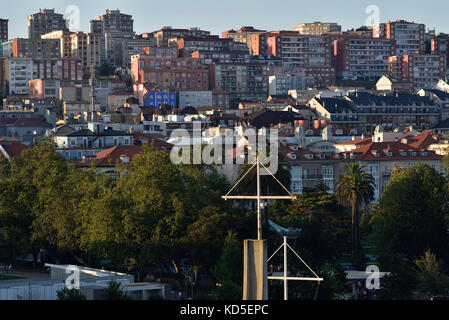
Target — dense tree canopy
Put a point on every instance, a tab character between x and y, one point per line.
411	216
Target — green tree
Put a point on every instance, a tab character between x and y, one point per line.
114	292
400	284
70	294
324	224
355	188
106	70
432	280
411	216
228	272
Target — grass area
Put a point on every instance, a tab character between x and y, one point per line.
6	277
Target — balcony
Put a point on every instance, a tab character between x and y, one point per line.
312	176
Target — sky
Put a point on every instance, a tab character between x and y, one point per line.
218	16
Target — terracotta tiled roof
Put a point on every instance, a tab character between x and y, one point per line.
302	154
153	138
356	142
423	140
388	151
111	156
14	149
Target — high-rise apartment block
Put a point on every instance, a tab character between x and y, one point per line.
136	45
166	33
3	30
362	58
423	71
33	48
409	36
240	80
112	21
282	79
3	77
19	72
86	46
179	74
314	53
243	35
45	21
440	45
222	56
317	28
188	45
65	69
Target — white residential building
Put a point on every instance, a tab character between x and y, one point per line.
194	99
20	72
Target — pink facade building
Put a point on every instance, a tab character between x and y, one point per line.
182	74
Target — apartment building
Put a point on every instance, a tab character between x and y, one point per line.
19	72
112	42
188	44
45	21
314	53
394	110
243	35
87	46
308	167
234	56
361	58
112	21
423	71
44	89
3	77
240	80
220	98
182	74
440	46
168	32
74	144
282	79
409	36
380	158
63	37
136	45
3	30
32	48
68	69
341	113
162	52
317	28
194	99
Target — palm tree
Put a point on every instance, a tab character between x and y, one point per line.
355	187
